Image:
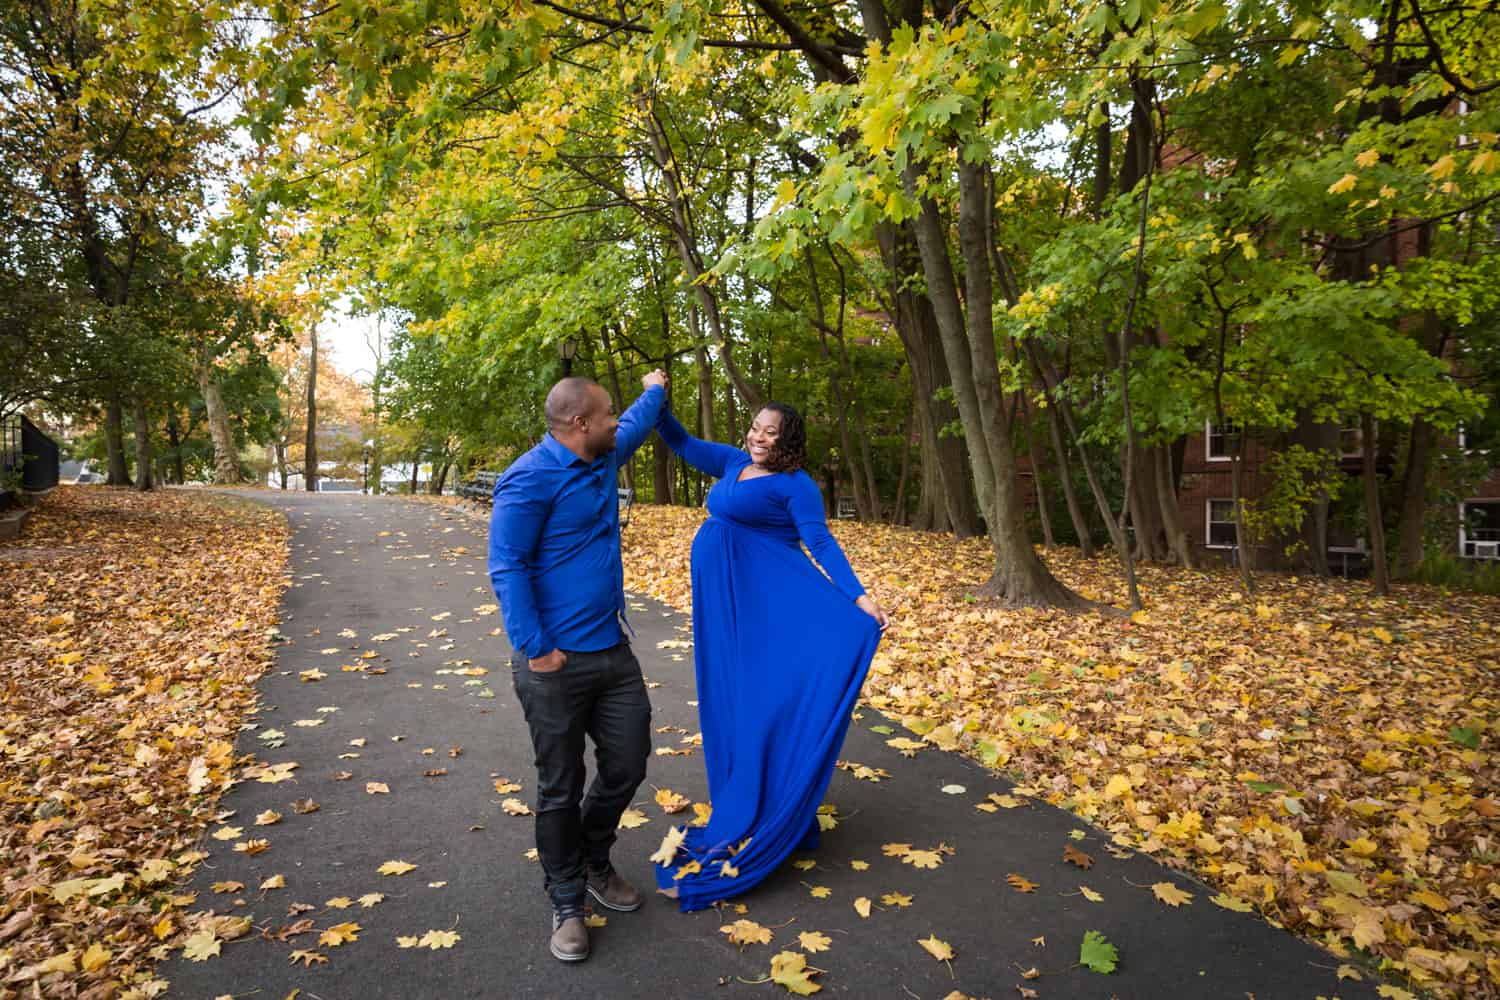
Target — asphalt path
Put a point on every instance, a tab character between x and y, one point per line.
389	601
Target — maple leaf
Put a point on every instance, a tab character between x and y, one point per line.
1170	894
227	887
938	949
267	818
813	942
504	786
669	846
1020	883
94	957
894	850
632	818
595	920
200	947
304	806
805	864
1090	894
862	907
339	903
377	788
922	859
438	939
308	958
339	934
1231	903
1074	856
1097	954
790	970
819	891
227	833
691	868
670	801
743	932
253	847
396	868
728	870
274	882
896	899
370	899
515	807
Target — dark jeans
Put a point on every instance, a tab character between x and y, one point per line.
602	695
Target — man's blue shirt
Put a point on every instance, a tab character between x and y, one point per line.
555	541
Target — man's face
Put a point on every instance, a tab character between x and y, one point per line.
600	423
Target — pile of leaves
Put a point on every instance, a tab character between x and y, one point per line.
1322	756
132	630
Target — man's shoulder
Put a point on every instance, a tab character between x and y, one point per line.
527	467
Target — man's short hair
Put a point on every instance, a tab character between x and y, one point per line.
572	397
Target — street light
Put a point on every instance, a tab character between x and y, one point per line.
567	349
369	445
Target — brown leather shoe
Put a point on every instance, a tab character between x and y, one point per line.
613	892
570	939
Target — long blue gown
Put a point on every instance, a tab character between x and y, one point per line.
781	654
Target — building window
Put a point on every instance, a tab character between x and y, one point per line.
1479	529
1220	534
1221	441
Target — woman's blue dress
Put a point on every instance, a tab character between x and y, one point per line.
781	655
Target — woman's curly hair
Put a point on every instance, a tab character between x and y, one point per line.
790	450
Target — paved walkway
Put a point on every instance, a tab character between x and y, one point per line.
399	591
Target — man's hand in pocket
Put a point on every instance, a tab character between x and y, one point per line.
548	664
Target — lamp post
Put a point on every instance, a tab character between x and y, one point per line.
369	445
567	349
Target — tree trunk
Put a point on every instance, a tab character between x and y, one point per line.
1075	510
687	250
114	441
310	459
1414	500
416	470
1020	578
143	459
898	514
226	458
279	449
174	438
1171	514
1375	524
440	478
1043	513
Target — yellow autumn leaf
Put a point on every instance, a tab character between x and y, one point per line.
274	882
1443	167
1170	894
896	899
813	942
94	957
1344	183
790	970
743	932
937	948
1368	158
438	939
1090	894
396	868
862	907
200	947
632	818
339	934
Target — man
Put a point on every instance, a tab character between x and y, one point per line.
555	566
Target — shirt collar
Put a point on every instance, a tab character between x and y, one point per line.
560	452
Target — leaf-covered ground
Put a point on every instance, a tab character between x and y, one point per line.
132	629
1321	755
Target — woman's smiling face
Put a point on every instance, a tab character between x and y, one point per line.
762	436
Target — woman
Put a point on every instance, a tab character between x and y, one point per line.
781	654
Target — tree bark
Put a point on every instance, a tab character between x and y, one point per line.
310	459
226	457
174	438
114	440
1171	514
1075	510
1375	523
143	475
1043	513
